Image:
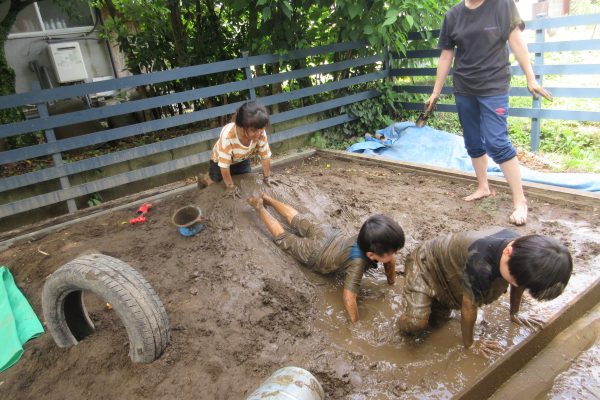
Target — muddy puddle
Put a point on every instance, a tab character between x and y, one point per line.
240	308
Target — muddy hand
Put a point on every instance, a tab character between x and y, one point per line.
232	192
530	321
536	90
487	348
430	103
269	181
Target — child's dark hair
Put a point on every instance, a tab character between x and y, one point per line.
541	264
380	235
252	115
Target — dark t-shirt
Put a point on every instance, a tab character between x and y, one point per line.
480	36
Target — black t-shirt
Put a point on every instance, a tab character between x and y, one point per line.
482	272
480	36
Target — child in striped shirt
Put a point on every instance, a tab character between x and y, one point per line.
237	142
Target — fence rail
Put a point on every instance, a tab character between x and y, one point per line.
356	73
536	113
357	67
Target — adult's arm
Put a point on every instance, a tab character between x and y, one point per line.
519	49
350	304
443	68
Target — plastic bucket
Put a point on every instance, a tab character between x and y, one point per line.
186	216
289	383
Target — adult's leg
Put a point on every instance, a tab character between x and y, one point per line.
270	222
512	173
470	119
494	110
286	211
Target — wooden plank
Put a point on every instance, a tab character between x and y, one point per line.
58	196
573	20
150	126
35	177
303	53
93	114
65	92
541	191
579	93
574	45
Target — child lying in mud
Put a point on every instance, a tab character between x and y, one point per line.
326	250
468	269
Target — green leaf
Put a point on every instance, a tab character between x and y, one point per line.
368	30
266	13
261	2
354	10
392	12
411	21
390	20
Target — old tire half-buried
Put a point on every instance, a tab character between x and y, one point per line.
131	297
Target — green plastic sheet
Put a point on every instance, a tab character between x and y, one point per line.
18	322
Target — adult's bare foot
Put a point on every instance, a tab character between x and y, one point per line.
519	215
479	194
255	202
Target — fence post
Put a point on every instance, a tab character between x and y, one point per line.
249	75
56	157
537	103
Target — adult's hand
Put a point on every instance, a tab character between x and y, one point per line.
431	102
537	90
532	322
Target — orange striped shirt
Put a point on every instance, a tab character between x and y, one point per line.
229	150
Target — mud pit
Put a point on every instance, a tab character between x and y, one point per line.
240	308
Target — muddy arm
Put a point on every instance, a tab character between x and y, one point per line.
226	173
390	271
412	325
266	167
516	294
468	316
350	304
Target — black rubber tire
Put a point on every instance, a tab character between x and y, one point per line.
131	296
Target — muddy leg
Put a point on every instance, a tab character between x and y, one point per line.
271	223
286	211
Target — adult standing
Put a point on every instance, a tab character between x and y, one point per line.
476	35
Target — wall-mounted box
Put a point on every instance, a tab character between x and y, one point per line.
67	61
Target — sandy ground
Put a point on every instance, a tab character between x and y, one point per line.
240	308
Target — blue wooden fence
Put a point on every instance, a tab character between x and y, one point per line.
536	113
354	77
62	171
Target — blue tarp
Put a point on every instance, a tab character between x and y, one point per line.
406	142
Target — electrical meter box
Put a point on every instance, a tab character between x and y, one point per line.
67	62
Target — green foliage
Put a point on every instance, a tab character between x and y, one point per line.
375	113
94	200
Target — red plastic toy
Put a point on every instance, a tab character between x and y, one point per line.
144	208
137	220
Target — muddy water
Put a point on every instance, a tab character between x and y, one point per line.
240	308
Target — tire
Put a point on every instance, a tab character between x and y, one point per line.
131	296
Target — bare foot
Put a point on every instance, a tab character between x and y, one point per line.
255	202
479	194
204	181
266	198
519	215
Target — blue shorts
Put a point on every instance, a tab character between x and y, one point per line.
243	167
484	120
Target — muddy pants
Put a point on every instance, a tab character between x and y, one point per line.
307	246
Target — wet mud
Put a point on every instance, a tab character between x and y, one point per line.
240	308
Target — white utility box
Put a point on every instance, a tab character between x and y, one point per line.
68	62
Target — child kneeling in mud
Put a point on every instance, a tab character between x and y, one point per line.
469	269
327	250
